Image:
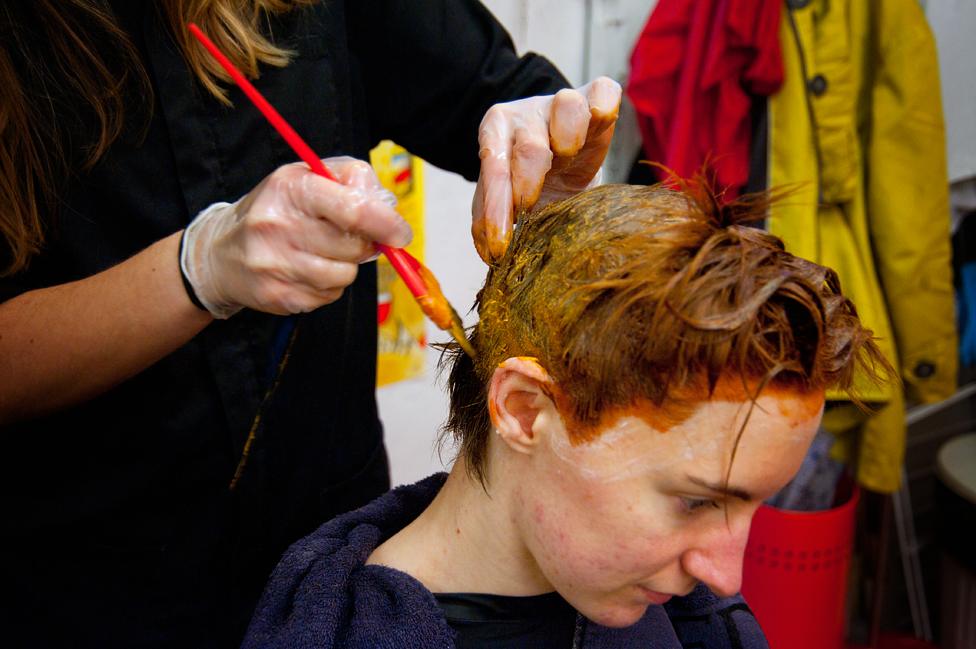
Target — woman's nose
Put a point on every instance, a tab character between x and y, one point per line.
717	561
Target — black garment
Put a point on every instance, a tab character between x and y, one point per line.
120	528
498	622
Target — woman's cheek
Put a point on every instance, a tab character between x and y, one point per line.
556	534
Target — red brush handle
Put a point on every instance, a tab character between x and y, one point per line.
406	267
402	261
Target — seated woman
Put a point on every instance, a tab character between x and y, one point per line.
649	369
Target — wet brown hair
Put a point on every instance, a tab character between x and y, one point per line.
637	294
67	68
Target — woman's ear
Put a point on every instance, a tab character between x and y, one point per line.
519	402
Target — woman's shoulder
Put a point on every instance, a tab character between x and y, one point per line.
323	589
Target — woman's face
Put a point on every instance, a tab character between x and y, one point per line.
639	514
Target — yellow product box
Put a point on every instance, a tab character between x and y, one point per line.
402	338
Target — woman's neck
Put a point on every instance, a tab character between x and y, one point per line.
465	541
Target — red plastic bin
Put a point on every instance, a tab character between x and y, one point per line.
794	576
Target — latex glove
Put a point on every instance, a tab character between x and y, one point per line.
293	243
537	150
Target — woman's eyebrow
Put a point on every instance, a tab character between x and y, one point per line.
741	494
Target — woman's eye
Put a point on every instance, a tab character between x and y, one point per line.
693	504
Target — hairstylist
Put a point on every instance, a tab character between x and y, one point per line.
124	405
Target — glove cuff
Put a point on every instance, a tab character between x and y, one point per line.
197	273
190	292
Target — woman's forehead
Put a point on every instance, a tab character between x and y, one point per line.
778	426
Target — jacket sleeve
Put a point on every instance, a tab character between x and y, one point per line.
430	71
908	200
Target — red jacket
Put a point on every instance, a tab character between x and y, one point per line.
692	72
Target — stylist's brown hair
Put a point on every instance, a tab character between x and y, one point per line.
70	77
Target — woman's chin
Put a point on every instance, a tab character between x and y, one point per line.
618	615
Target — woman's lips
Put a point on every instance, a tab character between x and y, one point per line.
653	596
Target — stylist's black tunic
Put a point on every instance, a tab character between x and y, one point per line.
118	524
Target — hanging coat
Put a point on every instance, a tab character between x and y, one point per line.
693	70
857	129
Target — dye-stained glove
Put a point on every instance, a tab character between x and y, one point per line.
537	150
293	243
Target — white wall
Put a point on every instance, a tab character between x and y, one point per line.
602	35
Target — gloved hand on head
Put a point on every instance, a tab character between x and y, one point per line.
537	150
293	243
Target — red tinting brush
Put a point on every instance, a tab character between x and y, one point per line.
415	275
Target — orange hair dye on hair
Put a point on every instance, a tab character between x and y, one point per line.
650	298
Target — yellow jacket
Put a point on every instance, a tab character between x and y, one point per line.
858	125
